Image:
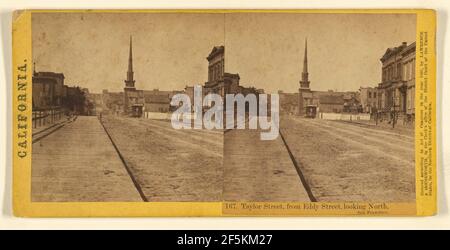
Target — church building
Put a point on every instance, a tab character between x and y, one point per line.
311	103
133	99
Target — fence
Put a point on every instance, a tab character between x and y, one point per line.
167	116
157	115
46	116
344	116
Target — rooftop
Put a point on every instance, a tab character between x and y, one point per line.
215	51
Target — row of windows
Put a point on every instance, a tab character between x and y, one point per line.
391	72
402	101
216	71
407	72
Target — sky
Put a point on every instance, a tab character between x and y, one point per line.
170	49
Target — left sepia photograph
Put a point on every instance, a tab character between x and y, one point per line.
102	90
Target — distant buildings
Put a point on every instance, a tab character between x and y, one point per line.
311	102
134	102
369	100
157	101
95	103
113	102
137	102
288	102
394	95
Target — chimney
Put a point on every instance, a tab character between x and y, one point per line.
404	43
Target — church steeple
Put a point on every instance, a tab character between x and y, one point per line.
305	59
304	83
129	82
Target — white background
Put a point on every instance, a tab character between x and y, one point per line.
442	220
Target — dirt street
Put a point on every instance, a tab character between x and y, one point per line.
256	170
169	164
349	162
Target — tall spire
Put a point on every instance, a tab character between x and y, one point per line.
305	59
130	57
129	82
304	83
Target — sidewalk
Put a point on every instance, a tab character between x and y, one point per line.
78	163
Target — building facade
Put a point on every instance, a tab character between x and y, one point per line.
220	82
50	93
369	99
48	89
396	92
156	101
216	71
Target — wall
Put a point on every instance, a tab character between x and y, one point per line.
157	107
331	108
157	115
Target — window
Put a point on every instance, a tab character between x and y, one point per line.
370	94
408	100
404	78
374	94
408	71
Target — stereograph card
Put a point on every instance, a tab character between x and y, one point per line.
224	113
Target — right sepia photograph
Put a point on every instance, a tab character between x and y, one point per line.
346	87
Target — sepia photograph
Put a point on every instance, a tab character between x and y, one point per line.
232	107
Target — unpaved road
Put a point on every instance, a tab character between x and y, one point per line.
169	164
257	170
347	162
